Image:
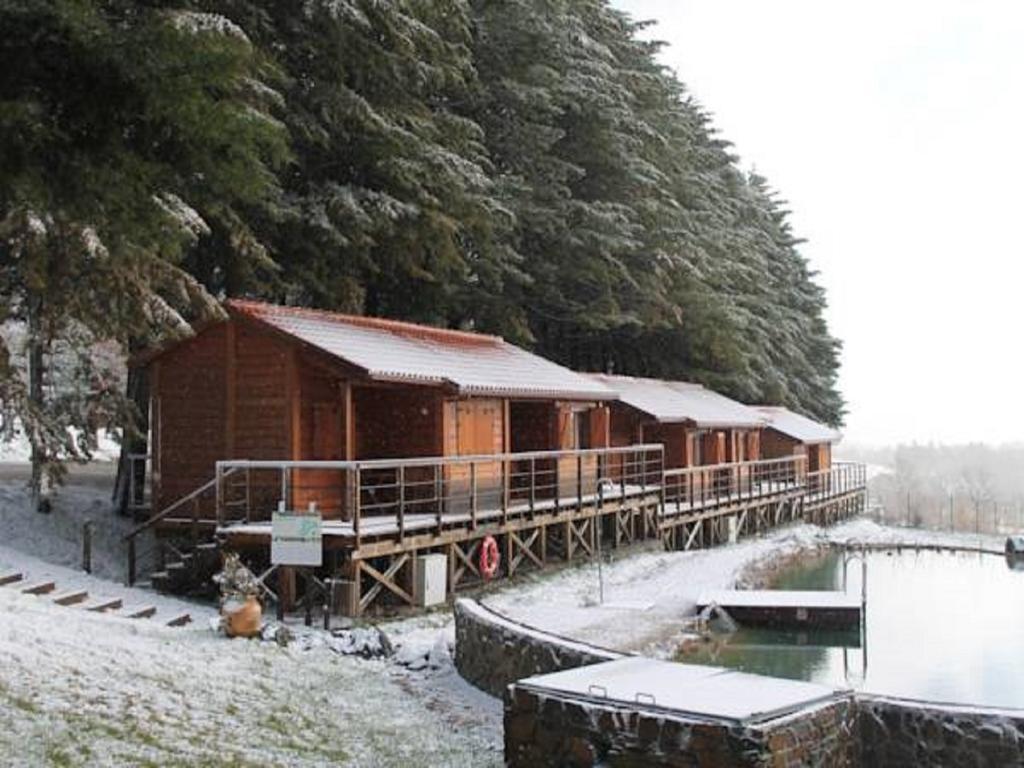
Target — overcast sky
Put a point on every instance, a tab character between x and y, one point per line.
895	130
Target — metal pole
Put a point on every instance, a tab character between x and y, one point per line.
308	572
597	537
131	562
87	546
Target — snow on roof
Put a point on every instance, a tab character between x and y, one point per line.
390	350
678	401
796	426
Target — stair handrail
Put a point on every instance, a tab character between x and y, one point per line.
129	538
153	520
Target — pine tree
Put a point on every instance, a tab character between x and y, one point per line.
392	209
127	135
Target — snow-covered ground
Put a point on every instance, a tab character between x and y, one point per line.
91	690
57	536
79	688
85	689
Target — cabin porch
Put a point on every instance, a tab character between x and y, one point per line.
539	507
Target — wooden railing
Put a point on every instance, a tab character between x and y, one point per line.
697	488
842	478
431	493
189	507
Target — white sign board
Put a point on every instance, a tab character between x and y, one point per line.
296	539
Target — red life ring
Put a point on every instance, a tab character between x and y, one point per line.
489	558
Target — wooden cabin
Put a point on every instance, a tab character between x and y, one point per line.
791	434
282	383
697	426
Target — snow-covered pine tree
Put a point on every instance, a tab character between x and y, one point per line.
119	123
392	207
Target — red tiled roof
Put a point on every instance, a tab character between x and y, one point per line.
391	350
262	310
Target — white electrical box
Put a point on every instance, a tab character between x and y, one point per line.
431	580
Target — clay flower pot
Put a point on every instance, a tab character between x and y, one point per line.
242	619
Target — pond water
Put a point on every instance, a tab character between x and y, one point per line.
945	627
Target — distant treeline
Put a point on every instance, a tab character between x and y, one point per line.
524	167
949	486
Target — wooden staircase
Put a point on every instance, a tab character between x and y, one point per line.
79	599
186	554
189	572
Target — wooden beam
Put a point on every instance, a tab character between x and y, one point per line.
525	549
580	534
231	390
350	421
154	433
697	528
467	559
294	412
385	580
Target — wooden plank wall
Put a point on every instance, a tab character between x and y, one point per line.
191	393
321	437
624	427
673	437
261	392
775	445
397	422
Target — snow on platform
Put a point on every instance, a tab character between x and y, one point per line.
387	525
786	608
687	689
778	598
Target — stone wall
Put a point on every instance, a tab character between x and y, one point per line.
898	733
492	652
816	737
555	730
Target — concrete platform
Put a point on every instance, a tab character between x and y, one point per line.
786	608
694	691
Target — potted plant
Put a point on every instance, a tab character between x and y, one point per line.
240	608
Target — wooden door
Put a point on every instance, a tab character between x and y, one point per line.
479	431
325	487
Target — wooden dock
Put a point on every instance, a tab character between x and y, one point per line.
786	609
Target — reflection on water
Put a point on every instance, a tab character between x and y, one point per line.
939	626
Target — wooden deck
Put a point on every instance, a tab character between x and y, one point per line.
379	517
342	533
540	507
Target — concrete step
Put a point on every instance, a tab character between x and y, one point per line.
104	605
71	598
40	588
10	578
